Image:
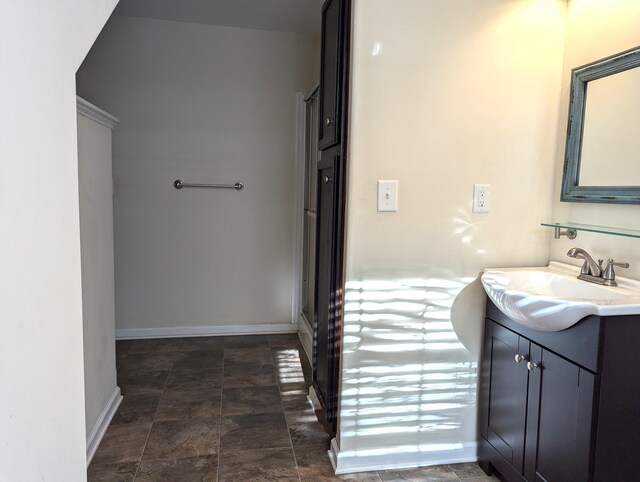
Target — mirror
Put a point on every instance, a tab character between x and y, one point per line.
602	159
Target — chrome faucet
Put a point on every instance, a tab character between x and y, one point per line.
592	271
589	267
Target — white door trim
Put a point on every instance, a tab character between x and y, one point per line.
298	208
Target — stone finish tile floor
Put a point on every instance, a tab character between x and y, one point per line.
225	409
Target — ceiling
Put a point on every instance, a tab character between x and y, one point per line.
299	16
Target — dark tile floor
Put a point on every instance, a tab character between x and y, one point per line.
225	409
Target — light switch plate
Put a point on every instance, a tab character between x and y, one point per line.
387	196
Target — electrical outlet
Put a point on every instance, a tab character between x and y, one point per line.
481	196
387	196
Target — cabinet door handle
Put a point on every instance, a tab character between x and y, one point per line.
328	180
532	366
520	358
328	121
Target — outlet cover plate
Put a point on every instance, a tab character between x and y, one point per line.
481	197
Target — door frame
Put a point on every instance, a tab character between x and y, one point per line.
298	207
305	326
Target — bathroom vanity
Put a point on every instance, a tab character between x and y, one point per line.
560	380
560	406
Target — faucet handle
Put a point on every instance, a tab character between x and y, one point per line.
609	273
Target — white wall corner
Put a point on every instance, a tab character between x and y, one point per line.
99	429
42	44
390	458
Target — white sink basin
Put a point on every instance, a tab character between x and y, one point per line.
552	298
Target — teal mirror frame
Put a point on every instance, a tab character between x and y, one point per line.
580	76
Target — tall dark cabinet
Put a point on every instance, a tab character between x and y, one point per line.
334	76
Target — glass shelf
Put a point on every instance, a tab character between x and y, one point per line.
630	233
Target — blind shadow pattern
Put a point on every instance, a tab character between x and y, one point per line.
408	383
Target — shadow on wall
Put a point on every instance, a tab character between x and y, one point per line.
409	383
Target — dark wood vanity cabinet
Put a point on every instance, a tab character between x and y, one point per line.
560	406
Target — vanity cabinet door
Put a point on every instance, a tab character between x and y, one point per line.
505	393
560	419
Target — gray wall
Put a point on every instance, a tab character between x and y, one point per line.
203	104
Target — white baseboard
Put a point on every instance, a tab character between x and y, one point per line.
305	333
183	331
99	429
389	458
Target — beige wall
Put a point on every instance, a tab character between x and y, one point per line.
595	29
204	104
42	426
444	95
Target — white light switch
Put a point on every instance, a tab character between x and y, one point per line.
387	196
